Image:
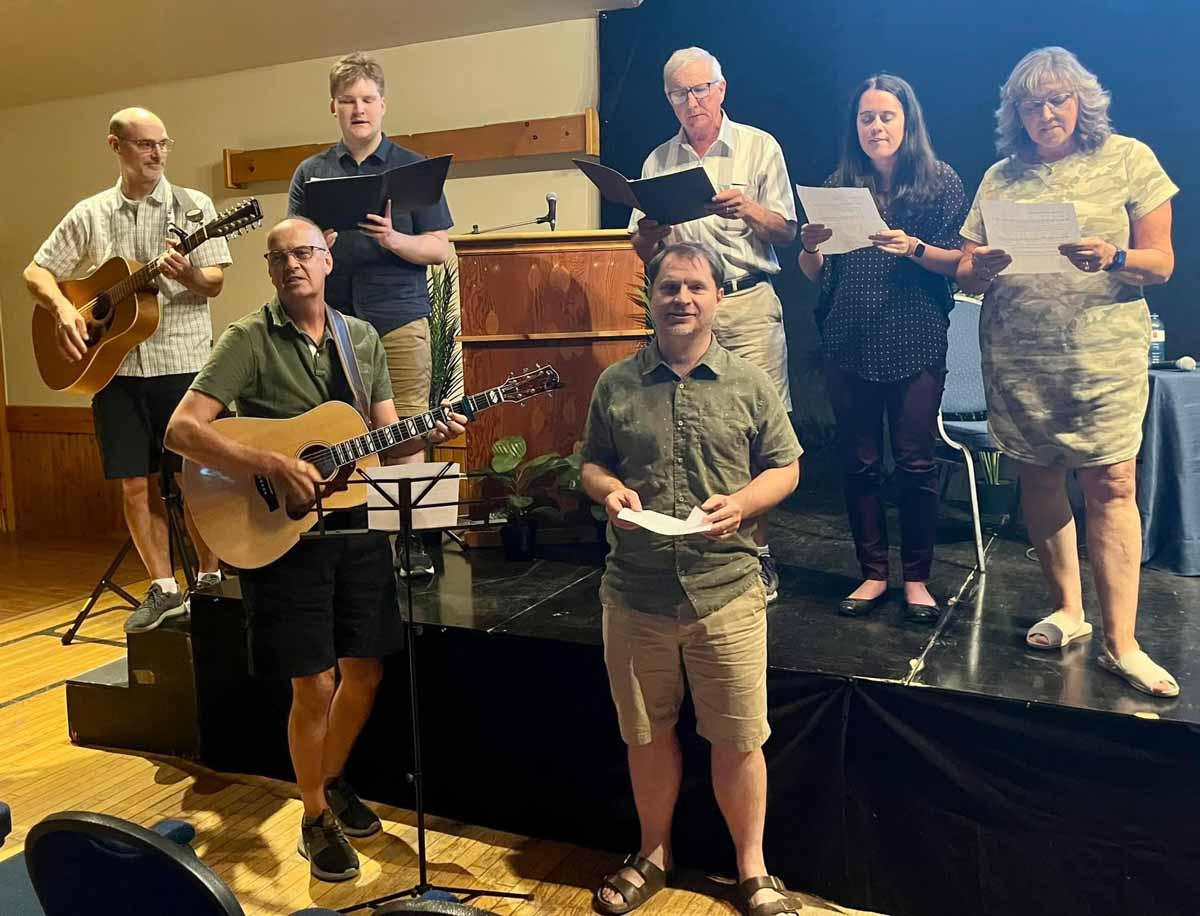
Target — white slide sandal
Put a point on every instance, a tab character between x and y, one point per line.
1060	629
1140	671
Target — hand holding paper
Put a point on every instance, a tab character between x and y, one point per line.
850	213
1031	234
666	524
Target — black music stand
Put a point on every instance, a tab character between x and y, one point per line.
177	546
405	505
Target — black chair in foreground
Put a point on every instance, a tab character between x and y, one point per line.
5	822
81	862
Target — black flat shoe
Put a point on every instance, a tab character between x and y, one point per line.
860	607
922	613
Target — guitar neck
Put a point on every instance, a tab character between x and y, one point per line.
377	440
141	279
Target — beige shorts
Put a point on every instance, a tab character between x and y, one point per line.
750	324
409	366
724	655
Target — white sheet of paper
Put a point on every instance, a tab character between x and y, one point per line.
391	477
850	212
1031	233
667	524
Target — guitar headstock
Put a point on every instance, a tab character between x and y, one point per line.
518	388
236	220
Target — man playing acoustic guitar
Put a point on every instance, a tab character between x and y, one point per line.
132	220
327	604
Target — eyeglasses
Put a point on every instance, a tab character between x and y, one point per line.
147	146
300	253
679	96
1056	102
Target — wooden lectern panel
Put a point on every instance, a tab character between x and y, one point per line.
560	299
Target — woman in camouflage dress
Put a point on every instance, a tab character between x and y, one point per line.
1064	354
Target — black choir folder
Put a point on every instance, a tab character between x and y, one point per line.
343	203
677	197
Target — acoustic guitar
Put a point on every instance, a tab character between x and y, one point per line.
243	517
119	303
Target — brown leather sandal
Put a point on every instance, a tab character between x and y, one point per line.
751	886
654	880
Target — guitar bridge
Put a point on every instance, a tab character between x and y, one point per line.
267	491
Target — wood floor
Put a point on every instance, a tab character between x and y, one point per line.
246	827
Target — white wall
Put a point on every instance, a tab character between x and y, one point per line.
54	154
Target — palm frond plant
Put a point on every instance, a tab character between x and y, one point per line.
446	378
639	295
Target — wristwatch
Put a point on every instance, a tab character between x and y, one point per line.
1118	261
919	251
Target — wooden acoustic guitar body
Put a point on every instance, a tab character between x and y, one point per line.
126	324
231	512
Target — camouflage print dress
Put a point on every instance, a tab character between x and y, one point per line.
1064	355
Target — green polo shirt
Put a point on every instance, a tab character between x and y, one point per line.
273	370
676	442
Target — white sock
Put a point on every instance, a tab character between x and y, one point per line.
170	586
209	572
765	550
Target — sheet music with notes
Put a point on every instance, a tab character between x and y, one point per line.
1031	234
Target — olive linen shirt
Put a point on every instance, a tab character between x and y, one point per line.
274	371
676	442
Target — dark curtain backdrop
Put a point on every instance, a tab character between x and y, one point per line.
792	64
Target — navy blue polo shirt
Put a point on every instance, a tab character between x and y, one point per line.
367	280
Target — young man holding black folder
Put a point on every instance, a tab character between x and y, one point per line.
379	272
754	210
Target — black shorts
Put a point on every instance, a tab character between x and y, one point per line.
323	600
131	415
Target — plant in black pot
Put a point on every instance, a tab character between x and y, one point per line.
997	496
526	485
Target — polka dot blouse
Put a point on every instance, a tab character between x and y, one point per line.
885	317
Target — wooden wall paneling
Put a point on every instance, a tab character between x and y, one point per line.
59	485
8	517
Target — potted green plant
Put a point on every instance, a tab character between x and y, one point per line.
997	496
525	485
445	355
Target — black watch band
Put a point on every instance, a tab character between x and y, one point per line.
1118	261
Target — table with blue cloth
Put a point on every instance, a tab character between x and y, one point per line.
1168	473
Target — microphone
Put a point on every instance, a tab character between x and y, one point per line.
1183	364
551	210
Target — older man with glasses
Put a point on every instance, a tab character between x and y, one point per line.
753	210
132	219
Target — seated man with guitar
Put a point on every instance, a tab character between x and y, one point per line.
326	604
132	220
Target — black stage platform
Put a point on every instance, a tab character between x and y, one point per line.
913	771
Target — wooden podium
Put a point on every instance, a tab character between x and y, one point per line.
551	298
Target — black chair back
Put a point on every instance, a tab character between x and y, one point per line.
83	862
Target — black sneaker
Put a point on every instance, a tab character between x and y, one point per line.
769	575
330	856
355	818
156	607
420	563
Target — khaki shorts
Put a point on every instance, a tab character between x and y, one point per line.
409	366
724	655
750	324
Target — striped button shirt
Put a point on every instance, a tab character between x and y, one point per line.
741	157
109	225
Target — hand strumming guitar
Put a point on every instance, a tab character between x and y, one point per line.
296	481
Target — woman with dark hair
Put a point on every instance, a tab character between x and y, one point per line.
883	320
1064	354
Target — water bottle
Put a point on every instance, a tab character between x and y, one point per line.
1158	339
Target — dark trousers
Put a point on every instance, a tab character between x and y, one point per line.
912	406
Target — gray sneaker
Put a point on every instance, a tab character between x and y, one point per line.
770	577
330	856
156	607
207	580
420	563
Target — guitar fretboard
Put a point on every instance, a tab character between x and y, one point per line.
140	279
377	440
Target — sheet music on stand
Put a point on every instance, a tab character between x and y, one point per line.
437	487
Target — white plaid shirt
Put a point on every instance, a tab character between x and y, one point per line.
109	225
741	157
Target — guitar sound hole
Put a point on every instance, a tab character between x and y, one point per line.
318	456
101	307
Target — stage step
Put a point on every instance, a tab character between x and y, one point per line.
143	702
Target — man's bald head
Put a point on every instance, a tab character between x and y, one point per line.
298	262
297	230
124	122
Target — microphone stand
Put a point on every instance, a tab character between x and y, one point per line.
475	230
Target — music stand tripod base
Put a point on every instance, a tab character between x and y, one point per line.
106	583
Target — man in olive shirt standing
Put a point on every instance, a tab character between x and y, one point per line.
380	272
329	604
685	423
